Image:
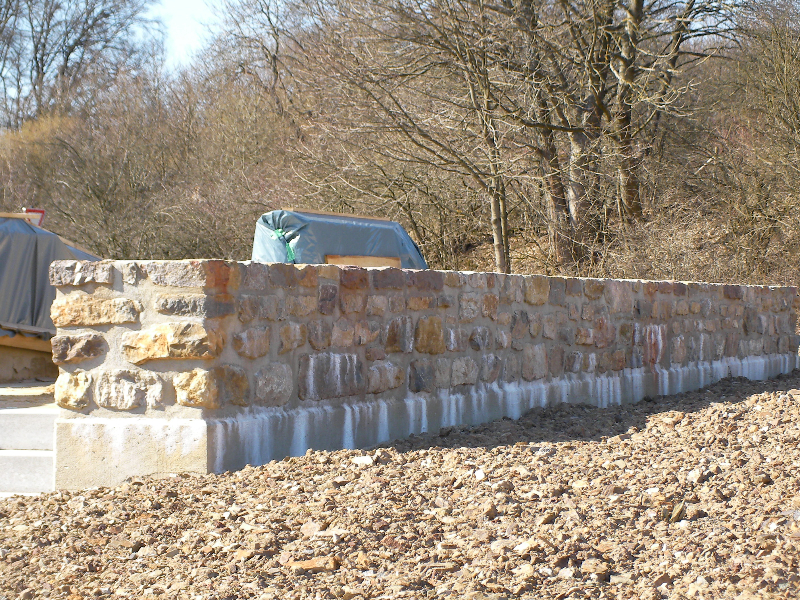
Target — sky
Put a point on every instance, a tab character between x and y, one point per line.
185	27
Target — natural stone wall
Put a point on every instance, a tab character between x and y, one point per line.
215	364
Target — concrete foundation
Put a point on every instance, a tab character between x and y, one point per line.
106	451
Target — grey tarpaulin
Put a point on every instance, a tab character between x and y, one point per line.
26	252
289	236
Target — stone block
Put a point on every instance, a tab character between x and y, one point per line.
197	388
343	333
534	362
441	375
429	336
537	290
566	334
618	360
520	325
300	306
375	353
286	275
733	292
446	300
504	318
604	332
421	375
678	351
77	348
399	335
388	278
502	339
573	311
465	371
78	272
619	297
273	385
558	292
454	279
512	289
535	324
319	334
511	368
584	336
491	303
469	307
330	272
292	335
574	286
327	297
217	274
679	288
86	310
573	362
232	383
354	278
555	361
397	303
366	332
383	376
377	305
417	303
172	340
481	339
549	326
432	281
457	339
131	272
731	344
329	375
594	288
352	302
252	343
73	390
195	305
681	308
128	389
477	281
268	308
490	367
256	277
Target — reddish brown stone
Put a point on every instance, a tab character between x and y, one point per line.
429	336
326	300
428	281
388	278
354	278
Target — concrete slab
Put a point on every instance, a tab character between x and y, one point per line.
27	471
27	427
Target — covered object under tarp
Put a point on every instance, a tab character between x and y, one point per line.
26	252
314	238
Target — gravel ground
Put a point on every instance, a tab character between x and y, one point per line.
692	496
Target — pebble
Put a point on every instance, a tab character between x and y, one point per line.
670	498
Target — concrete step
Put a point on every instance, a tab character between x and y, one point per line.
27	427
26	471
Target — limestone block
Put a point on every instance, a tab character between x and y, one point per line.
77	348
77	272
195	305
217	274
512	289
131	272
292	335
353	302
469	307
511	368
343	334
422	375
172	340
584	337
252	343
491	302
354	278
327	297
465	371
457	339
441	373
285	275
274	384
260	307
234	388
618	296
400	335
382	376
490	367
366	332
377	305
197	388
388	278
481	339
416	303
429	336
328	272
594	288
128	389
86	310
537	290
73	390
330	375
426	280
301	306
534	362
454	279
319	334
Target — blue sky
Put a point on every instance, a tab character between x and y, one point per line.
185	26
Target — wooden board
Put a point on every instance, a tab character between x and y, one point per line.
363	261
26	343
333	214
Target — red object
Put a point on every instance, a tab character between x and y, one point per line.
35	211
